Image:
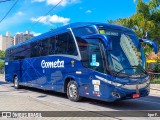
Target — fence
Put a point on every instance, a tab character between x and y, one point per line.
1	71
155	77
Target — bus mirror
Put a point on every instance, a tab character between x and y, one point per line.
151	42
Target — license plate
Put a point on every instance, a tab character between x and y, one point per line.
136	95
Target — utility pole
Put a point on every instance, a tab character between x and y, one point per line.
5	1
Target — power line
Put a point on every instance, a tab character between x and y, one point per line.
45	14
5	1
9	11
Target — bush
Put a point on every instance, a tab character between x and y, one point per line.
157	68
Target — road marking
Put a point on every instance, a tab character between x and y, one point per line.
148	101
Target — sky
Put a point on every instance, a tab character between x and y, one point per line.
27	12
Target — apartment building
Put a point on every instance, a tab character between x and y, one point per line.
21	37
6	41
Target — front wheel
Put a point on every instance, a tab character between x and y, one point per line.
16	82
72	91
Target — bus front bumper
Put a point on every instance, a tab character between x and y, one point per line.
120	93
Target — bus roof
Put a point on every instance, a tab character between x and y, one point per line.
72	25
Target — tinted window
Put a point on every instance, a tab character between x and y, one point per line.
45	47
52	45
35	49
91	53
58	44
87	30
63	44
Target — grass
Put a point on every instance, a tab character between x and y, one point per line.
155	81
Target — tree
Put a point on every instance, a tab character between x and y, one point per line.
1	65
26	38
146	20
2	54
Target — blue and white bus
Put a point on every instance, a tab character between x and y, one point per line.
94	60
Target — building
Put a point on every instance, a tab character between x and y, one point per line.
21	37
6	41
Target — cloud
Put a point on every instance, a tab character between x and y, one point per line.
20	13
49	20
54	2
32	32
35	34
38	0
134	1
88	11
19	32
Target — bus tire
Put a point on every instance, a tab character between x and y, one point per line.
72	91
16	82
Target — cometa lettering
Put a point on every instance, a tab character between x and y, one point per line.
55	64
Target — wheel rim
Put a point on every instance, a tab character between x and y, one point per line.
73	91
16	82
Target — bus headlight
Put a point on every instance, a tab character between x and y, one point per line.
108	81
116	84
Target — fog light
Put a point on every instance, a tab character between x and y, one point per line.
117	95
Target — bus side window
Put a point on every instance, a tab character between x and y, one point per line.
71	46
91	54
44	47
7	55
62	44
52	45
35	49
27	51
19	53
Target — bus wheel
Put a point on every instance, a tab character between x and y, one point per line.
72	91
16	82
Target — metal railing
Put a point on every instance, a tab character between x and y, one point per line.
154	76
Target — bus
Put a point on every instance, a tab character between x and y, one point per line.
89	59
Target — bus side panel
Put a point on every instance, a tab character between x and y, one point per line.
31	72
55	75
42	77
12	68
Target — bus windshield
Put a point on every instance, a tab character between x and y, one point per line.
126	54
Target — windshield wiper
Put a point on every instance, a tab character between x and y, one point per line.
137	68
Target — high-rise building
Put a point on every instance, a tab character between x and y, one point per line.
21	37
6	41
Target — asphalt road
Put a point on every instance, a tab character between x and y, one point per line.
29	99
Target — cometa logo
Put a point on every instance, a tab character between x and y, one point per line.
55	64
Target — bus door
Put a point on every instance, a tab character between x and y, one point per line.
94	60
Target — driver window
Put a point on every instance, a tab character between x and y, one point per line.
91	54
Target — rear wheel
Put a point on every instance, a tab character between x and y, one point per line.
72	91
16	82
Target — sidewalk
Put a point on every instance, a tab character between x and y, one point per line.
155	87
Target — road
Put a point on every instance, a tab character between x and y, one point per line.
29	99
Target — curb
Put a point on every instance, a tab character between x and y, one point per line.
155	87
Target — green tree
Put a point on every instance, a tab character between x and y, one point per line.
1	65
2	54
26	38
145	20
